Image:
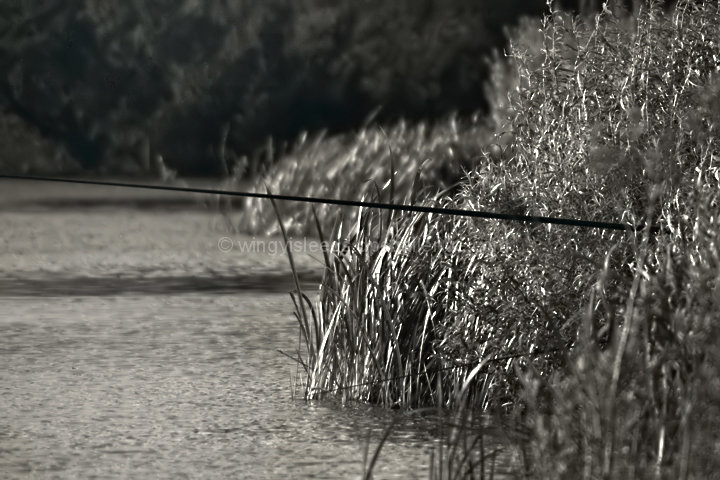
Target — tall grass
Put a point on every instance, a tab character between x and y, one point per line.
419	158
600	345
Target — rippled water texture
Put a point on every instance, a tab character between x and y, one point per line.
132	347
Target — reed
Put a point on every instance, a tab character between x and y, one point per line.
599	348
422	159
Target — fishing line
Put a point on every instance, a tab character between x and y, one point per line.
376	205
458	212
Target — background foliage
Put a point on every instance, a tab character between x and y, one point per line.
114	83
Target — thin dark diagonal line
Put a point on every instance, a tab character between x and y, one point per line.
377	205
353	203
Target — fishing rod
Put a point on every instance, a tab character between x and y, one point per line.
458	212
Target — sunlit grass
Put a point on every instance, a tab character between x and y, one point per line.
598	348
420	159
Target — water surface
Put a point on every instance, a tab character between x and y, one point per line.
132	347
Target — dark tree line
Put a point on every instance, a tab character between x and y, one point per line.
115	82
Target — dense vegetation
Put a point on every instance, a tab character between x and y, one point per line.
115	83
598	348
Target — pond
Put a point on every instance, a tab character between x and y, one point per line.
134	344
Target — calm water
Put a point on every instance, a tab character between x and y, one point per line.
131	346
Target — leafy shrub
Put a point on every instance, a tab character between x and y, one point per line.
24	151
600	342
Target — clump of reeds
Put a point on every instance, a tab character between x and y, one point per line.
421	158
601	343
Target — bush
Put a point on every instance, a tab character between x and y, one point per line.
24	151
601	343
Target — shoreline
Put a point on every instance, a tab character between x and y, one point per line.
27	195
